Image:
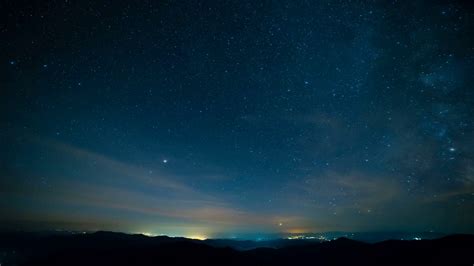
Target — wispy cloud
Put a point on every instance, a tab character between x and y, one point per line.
352	190
109	188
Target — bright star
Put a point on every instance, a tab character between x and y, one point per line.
165	161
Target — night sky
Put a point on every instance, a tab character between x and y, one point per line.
237	118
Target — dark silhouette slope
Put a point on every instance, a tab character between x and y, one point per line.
107	248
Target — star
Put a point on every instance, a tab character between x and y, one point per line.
320	111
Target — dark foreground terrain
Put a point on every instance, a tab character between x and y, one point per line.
105	248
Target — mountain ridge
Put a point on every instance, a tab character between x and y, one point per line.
114	248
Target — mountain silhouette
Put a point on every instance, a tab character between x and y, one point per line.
110	248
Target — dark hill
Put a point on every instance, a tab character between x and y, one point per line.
107	248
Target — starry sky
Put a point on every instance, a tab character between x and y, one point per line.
237	118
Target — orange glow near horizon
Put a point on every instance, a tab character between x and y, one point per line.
198	237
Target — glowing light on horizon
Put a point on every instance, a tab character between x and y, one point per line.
147	234
198	237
